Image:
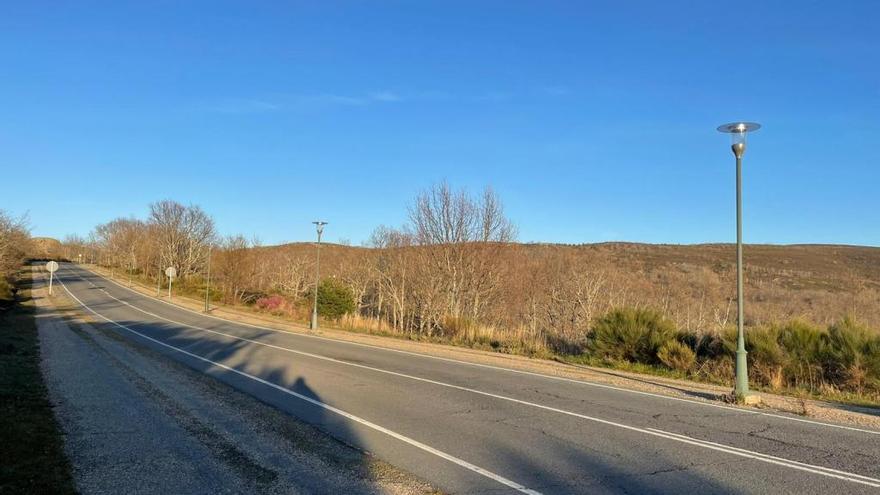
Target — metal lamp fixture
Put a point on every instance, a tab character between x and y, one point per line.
738	132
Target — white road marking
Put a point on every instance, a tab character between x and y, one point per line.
768	456
820	470
509	370
415	443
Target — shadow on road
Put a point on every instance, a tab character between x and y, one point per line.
589	466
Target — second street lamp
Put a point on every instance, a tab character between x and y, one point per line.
738	132
208	284
319	225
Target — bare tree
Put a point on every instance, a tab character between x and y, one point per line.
183	235
14	243
236	268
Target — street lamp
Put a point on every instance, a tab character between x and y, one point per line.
738	132
319	225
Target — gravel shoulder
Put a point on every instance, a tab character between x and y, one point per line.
865	417
32	458
136	421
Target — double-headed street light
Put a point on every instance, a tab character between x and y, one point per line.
738	132
319	225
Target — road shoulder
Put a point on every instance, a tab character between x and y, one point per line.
31	442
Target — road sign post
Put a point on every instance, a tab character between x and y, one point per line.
171	272
52	267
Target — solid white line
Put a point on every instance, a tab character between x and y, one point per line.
415	443
501	368
768	456
824	471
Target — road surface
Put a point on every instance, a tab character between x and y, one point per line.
470	428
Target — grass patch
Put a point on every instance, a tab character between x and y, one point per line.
620	365
31	443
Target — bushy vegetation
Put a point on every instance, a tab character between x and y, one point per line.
677	356
628	334
796	355
14	245
334	299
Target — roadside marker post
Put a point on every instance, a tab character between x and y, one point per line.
171	272
52	267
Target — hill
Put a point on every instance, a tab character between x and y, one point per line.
44	247
693	284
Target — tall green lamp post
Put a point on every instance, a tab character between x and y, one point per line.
738	132
319	226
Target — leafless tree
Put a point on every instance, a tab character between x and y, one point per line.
183	234
236	267
14	243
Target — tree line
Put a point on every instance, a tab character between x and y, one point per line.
454	269
454	272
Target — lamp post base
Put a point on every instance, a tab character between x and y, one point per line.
313	325
748	399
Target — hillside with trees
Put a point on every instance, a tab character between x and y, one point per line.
454	273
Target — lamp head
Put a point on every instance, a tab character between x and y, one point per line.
738	131
319	225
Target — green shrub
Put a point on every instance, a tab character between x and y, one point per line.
677	356
766	357
710	346
630	334
334	299
850	355
802	344
872	362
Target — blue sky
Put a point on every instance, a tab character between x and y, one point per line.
594	121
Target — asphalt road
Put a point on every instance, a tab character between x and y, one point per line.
136	422
470	428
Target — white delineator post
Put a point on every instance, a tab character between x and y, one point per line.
52	267
171	272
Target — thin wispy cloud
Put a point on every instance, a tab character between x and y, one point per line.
496	96
238	106
386	96
318	101
294	102
556	90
